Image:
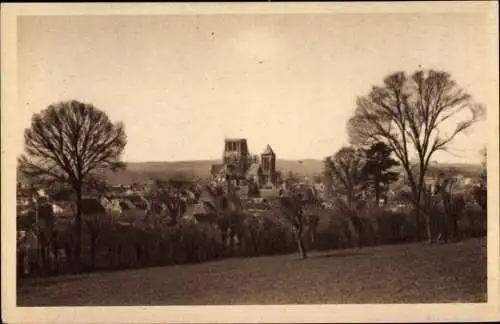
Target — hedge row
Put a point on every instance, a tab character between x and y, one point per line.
120	247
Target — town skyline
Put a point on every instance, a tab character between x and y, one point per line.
181	84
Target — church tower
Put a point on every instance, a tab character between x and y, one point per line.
268	165
236	156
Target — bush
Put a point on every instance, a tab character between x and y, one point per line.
472	222
335	231
392	227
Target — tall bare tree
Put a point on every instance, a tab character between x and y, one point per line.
410	114
69	142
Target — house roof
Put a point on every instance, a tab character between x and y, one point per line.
92	206
136	200
216	168
268	151
202	212
201	208
126	204
206	196
24	192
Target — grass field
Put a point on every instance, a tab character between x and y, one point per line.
412	273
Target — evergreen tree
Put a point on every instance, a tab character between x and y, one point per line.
376	172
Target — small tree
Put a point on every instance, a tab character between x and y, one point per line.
68	142
291	179
483	179
290	206
376	171
481	192
410	115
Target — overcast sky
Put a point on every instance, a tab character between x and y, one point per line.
181	84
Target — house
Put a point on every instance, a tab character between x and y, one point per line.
58	209
24	193
124	209
206	197
137	200
89	206
130	211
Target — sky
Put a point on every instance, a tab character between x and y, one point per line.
183	83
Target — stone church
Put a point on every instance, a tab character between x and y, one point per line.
240	166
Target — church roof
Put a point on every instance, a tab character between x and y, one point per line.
268	150
235	139
216	169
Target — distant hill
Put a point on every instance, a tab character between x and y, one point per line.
466	169
143	171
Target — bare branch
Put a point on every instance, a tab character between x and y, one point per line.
68	140
417	106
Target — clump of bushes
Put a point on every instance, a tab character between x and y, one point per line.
376	227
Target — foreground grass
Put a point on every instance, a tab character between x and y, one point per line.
412	273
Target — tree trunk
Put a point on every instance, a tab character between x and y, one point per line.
349	201
300	244
78	224
93	248
434	223
312	232
138	249
455	225
416	204
55	251
430	235
419	190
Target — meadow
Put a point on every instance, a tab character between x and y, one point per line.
405	273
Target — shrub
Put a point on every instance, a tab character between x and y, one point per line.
391	226
335	231
472	222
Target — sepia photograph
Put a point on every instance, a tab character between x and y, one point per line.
271	162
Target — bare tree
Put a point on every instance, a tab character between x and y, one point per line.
410	114
295	208
344	171
68	142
